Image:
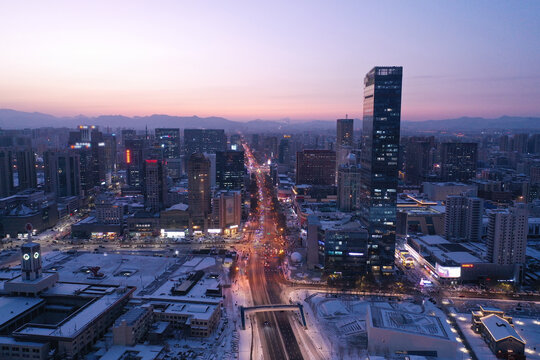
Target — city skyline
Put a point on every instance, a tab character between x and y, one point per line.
284	180
299	61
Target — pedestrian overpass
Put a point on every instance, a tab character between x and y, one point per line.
266	308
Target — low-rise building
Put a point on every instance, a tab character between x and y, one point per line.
199	319
132	326
500	336
457	262
12	349
395	331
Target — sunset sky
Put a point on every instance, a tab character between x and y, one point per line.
268	59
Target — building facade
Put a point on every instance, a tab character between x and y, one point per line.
379	161
155	184
463	218
507	235
458	161
230	170
204	140
199	193
316	167
62	173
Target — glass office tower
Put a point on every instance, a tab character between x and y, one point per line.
379	161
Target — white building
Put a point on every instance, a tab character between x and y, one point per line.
394	331
507	235
463	218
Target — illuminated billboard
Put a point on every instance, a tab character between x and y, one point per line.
448	271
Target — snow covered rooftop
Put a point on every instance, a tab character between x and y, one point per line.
399	320
78	320
462	257
139	351
11	306
181	207
499	328
433	240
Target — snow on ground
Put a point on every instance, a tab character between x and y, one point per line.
529	329
337	324
205	263
478	344
332	308
193	262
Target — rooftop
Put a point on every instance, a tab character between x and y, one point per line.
499	328
197	311
142	352
407	322
12	306
131	316
181	207
76	322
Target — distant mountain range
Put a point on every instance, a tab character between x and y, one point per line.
474	123
12	119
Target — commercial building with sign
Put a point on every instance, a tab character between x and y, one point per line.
457	263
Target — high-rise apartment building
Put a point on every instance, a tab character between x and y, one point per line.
458	161
379	161
507	235
62	173
230	170
204	140
463	218
316	167
199	193
520	143
26	168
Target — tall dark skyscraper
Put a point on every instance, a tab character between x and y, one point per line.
230	170
199	194
344	141
284	150
169	142
89	143
6	173
418	159
344	136
134	157
379	161
155	184
458	161
204	141
62	173
26	168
